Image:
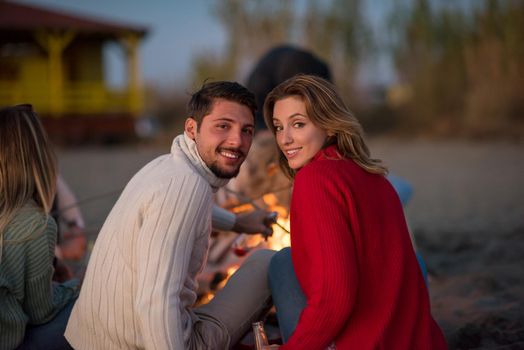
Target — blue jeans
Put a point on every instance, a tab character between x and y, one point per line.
288	298
50	335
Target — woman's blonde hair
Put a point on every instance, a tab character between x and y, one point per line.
27	164
327	111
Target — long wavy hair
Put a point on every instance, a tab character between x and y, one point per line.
27	165
327	111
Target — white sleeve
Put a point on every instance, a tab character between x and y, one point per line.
222	219
171	223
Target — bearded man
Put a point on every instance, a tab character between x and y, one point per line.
140	285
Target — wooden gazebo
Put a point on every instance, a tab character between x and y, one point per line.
54	61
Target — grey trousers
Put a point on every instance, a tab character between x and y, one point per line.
244	299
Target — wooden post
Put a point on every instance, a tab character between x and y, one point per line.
131	42
55	43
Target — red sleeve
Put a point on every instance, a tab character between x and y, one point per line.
324	257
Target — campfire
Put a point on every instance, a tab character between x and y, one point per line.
228	249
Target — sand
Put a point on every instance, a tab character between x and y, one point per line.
466	214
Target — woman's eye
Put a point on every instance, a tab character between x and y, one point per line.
298	124
278	128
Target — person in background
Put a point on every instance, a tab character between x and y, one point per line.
277	65
351	278
33	309
72	241
71	238
140	285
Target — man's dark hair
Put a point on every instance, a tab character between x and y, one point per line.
201	102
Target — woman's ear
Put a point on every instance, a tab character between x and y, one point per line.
190	128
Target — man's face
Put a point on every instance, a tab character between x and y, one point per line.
224	137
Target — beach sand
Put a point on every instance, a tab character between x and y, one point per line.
466	215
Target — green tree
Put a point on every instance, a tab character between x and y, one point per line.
464	69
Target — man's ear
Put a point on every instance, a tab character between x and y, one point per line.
190	128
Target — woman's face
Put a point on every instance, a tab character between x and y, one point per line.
297	136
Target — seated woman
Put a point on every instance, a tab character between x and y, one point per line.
34	310
351	279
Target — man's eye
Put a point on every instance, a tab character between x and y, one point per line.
222	126
248	131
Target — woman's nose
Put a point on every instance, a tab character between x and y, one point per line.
285	137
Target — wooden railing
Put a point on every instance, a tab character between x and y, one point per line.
77	98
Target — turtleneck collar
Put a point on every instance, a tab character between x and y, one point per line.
329	152
184	146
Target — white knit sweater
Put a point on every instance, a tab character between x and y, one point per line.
141	279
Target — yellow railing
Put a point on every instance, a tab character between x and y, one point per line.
77	98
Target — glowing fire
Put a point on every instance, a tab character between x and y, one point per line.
244	243
230	271
280	237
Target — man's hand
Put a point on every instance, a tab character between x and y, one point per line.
256	221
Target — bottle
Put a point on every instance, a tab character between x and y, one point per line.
261	342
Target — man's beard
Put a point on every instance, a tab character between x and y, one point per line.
221	173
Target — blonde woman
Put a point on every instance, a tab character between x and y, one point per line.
351	279
33	310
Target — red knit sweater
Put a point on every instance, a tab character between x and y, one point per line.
355	263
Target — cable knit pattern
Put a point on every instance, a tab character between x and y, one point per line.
140	283
354	260
27	295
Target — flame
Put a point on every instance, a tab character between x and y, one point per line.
270	199
242	208
280	238
206	298
229	272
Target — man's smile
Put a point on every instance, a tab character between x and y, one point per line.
230	154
